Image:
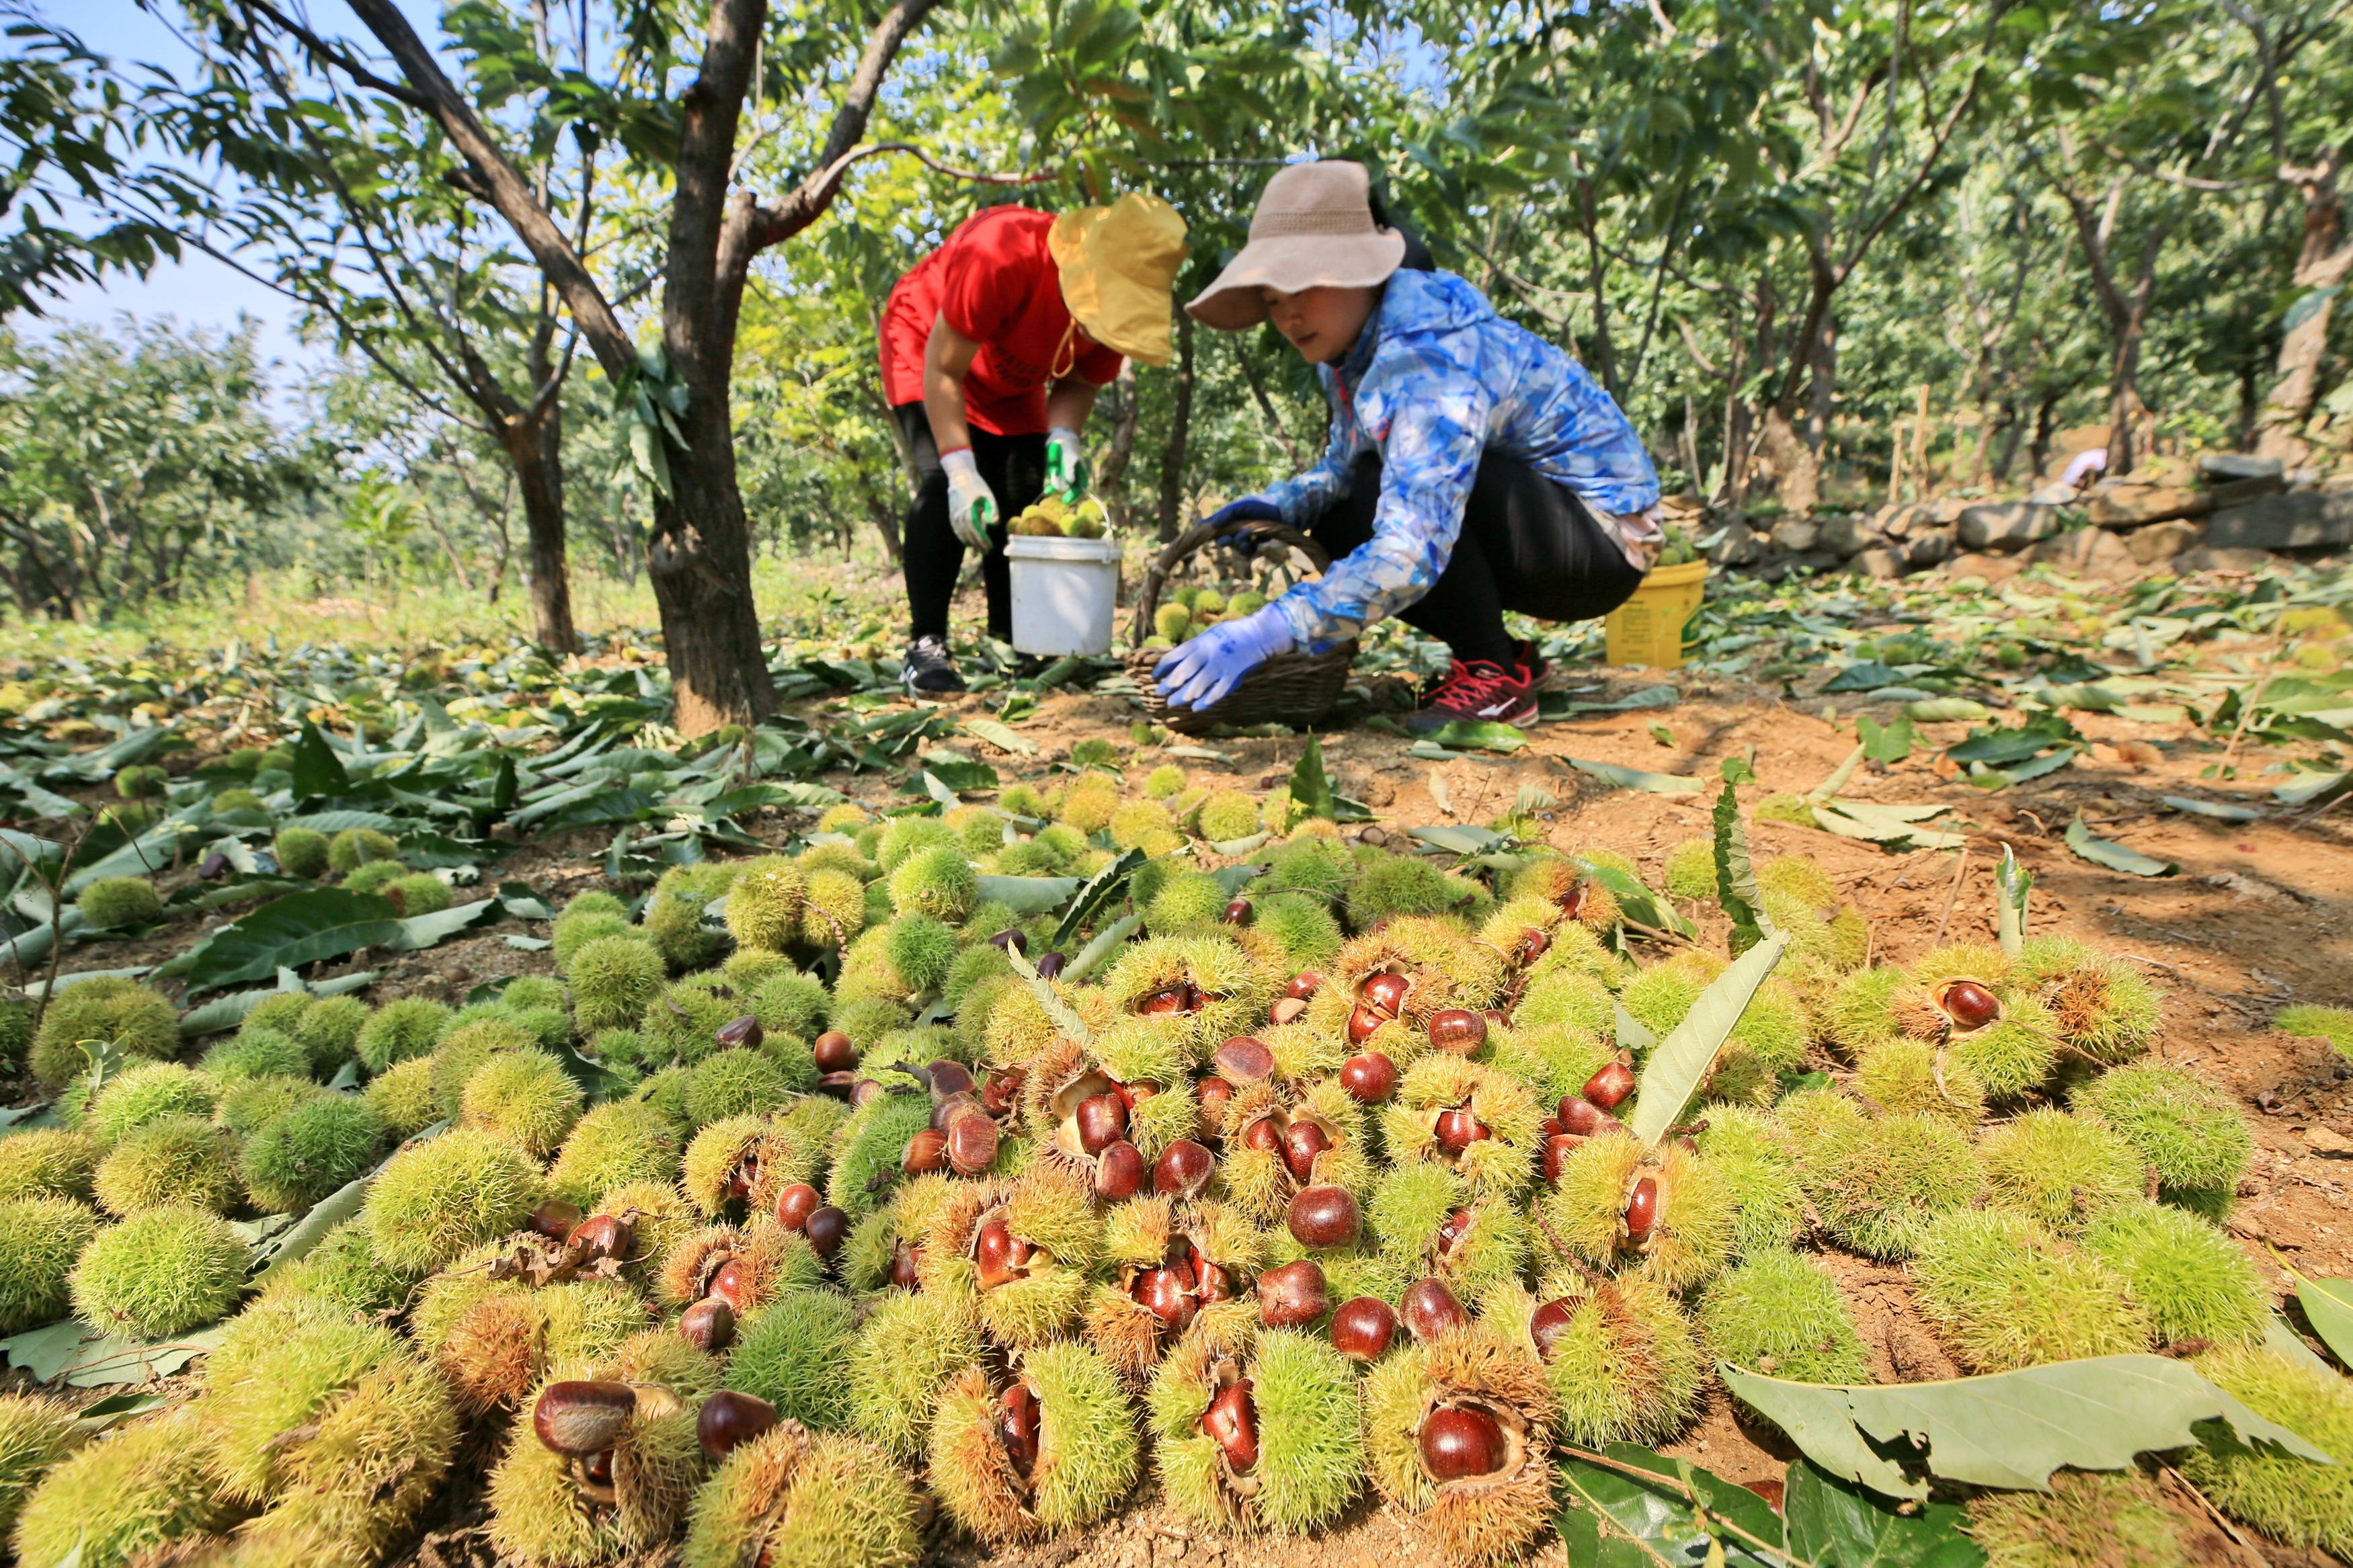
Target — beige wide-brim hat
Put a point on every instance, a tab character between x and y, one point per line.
1117	265
1314	226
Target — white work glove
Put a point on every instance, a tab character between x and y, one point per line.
1066	464
972	505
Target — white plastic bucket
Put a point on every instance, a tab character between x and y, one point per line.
1064	591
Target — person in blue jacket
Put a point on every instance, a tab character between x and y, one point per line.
1473	467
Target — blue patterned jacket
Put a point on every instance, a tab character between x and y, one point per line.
1437	379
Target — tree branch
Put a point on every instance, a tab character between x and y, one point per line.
336	56
508	192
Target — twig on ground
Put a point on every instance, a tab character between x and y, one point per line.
1952	896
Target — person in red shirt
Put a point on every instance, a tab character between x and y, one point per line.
993	349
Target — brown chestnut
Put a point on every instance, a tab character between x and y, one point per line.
1551	1322
1324	1216
1231	1422
1245	1059
1579	1115
827	1228
728	1419
797	1202
709	1325
1182	1170
927	1151
972	1141
728	1283
1303	984
1265	1135
555	1219
1102	1121
950	1078
1050	965
1451	1230
907	1266
1119	1171
601	1235
1238	912
1161	1003
1608	1087
1385	993
1369	1078
1363	1327
1010	941
1286	1010
1362	1022
834	1052
1457	1129
739	1034
1458	1030
1431	1307
1292	1295
1161	1292
1971	1005
578	1418
1557	1151
998	1254
1642	1210
1301	1142
1017	1428
1212	1095
1458	1442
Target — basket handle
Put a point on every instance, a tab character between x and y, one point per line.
1199	537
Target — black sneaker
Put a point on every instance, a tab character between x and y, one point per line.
929	670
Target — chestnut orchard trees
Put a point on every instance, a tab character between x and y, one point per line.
682	101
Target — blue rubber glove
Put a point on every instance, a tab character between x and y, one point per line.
1250	508
1198	673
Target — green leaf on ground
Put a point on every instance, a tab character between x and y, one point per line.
1891	827
1480	735
1097	894
1831	1520
1001	736
1945	709
1838	775
85	1358
1885	744
2008	1429
1311	787
1105	942
2328	1305
1678	1513
1027	895
2113	856
1681	1062
1636	778
2220	811
317	770
1059	1011
1736	881
1636	900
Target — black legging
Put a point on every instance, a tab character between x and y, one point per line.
1015	467
1527	544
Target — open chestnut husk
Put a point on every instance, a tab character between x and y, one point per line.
1461	1443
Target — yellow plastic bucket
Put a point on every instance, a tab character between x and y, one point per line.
1659	626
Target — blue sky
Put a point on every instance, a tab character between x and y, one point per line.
198	290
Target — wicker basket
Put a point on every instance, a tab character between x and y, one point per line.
1288	688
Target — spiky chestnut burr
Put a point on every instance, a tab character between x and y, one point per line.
1261	1436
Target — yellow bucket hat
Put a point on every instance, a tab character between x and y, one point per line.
1118	264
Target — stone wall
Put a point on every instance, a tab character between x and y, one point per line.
2224	510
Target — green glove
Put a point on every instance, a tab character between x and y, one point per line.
1066	464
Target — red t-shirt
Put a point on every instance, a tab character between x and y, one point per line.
997	284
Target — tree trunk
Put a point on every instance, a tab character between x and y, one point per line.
1111	478
2321	267
2038	456
700	562
2124	396
1180	424
534	445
